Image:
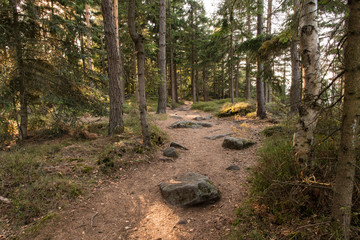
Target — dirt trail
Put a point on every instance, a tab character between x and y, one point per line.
133	208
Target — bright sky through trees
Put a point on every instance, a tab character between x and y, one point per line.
211	6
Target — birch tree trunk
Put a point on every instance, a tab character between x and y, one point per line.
116	123
162	100
309	107
349	144
295	88
138	39
260	103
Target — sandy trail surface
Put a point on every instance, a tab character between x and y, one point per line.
133	208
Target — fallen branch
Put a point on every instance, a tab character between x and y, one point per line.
92	220
5	200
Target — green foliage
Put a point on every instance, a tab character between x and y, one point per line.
239	108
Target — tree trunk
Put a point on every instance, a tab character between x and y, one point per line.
247	65
349	144
121	64
172	65
222	80
205	93
231	68
162	101
88	43
23	131
116	123
268	65
309	107
197	84
193	84
295	88
237	75
138	39
260	106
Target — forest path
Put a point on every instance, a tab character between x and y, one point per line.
133	208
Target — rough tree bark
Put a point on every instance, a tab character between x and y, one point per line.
192	63
121	64
268	65
349	144
138	39
231	67
295	88
247	66
162	100
116	123
174	99
23	130
309	107
88	42
260	100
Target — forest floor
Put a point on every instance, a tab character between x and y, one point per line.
132	207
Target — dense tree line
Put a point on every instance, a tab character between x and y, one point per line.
60	59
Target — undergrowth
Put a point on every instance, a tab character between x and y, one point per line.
284	203
42	174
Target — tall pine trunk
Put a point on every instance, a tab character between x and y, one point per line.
162	101
172	65
21	85
260	103
295	88
116	123
121	64
231	68
138	39
247	64
349	144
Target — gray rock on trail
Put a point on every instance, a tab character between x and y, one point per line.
236	143
190	189
199	118
176	116
177	145
219	136
233	167
170	152
190	124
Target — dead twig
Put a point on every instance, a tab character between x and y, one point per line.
92	220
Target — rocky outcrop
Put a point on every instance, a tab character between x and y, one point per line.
190	189
190	124
236	143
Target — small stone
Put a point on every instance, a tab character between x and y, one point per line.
175	116
233	167
127	228
182	222
170	152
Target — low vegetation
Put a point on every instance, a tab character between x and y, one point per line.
46	172
285	202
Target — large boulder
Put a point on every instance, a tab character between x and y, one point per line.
190	124
236	143
190	189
